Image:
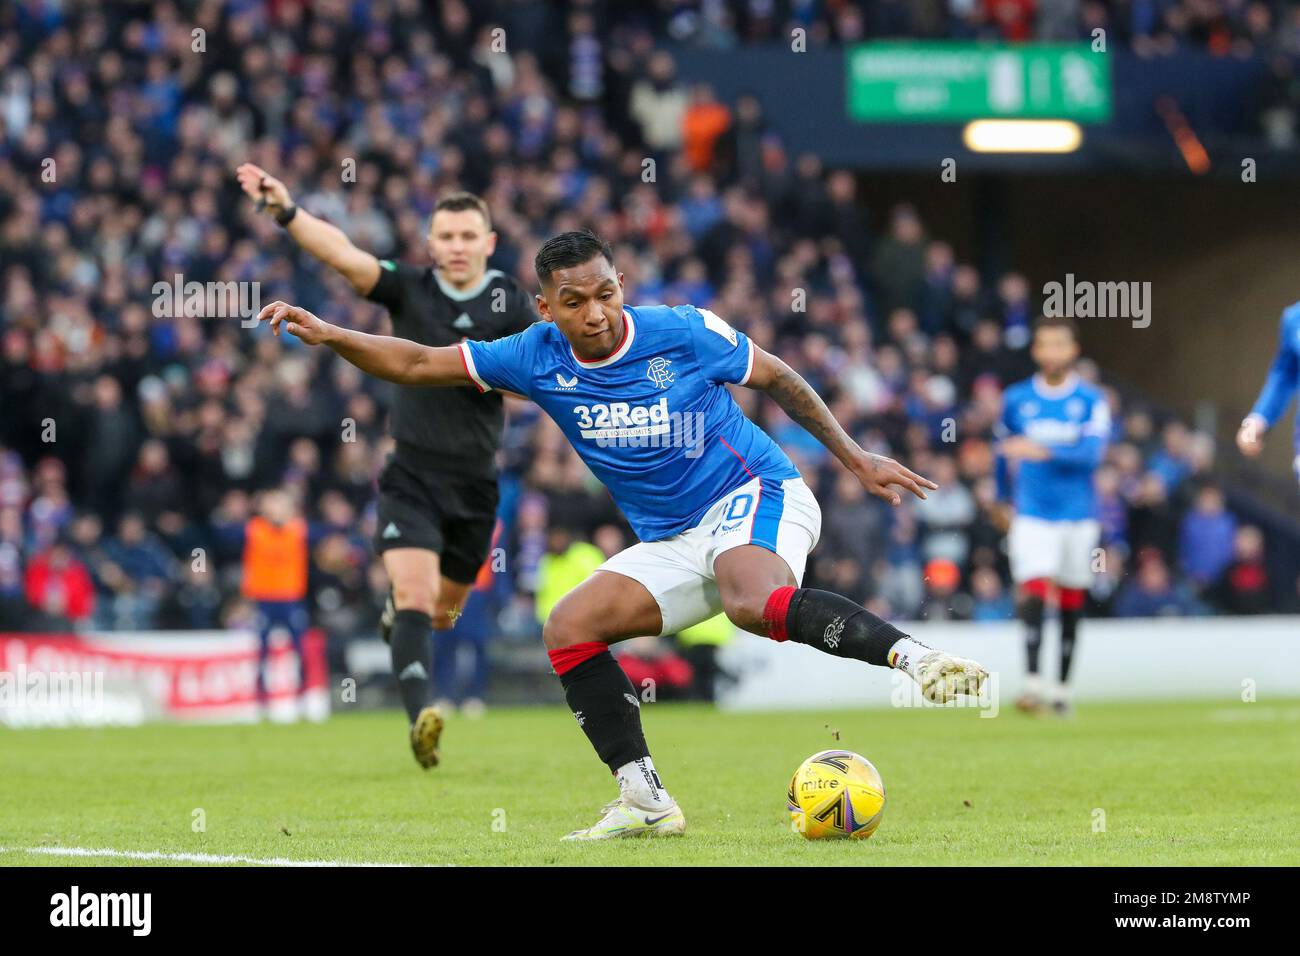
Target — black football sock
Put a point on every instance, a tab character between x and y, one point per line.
412	659
604	702
1031	613
1069	632
834	624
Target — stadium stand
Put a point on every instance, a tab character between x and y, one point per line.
134	436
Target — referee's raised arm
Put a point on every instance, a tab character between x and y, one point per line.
326	242
383	356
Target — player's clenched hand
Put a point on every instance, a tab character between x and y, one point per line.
297	322
1250	437
880	476
261	185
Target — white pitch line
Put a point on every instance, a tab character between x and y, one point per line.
181	857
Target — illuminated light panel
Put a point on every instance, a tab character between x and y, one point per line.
1022	136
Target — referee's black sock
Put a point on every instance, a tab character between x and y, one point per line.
412	659
604	702
834	624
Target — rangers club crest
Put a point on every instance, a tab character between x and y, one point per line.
657	371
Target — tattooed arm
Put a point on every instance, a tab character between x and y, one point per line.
788	389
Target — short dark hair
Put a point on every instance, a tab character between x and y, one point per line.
569	249
1057	322
461	201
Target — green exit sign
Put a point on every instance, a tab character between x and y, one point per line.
954	82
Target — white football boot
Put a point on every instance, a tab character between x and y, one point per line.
1033	700
621	819
944	677
1062	705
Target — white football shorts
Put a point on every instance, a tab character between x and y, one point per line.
779	515
1058	550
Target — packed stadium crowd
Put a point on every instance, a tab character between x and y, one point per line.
1148	27
137	430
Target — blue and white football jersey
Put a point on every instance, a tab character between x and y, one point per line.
653	420
1283	376
1072	421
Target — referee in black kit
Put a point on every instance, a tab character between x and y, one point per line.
438	490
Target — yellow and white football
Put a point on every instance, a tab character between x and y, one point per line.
836	793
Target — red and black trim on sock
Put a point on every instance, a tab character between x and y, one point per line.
603	700
831	623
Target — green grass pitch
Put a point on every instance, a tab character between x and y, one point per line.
1172	783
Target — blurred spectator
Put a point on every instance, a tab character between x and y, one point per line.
656	671
1171	462
898	267
15	613
942	601
140	569
1205	540
1153	593
1112	512
107	452
1153	521
1244	587
1014	18
153	486
566	564
58	586
275	578
991	600
1107	580
853	525
658	104
945	513
742	146
703	124
1016	312
193	605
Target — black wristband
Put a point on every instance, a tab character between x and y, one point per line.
285	216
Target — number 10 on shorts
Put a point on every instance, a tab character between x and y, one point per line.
739	507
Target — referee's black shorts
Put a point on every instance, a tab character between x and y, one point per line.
436	510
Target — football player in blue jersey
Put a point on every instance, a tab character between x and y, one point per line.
724	519
1053	435
1279	389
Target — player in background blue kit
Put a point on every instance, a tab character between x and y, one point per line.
1053	435
725	521
1280	387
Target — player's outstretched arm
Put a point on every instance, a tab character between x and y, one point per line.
1281	384
383	356
879	475
326	242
